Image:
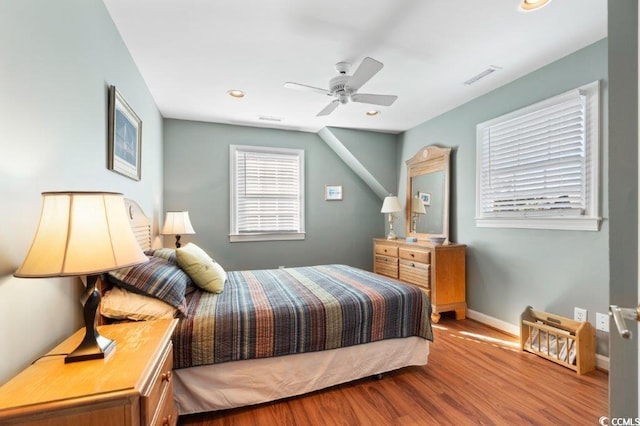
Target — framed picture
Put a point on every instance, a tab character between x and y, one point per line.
125	137
425	197
333	192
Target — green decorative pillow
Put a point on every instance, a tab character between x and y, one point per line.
205	273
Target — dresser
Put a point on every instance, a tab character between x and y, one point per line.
439	270
132	386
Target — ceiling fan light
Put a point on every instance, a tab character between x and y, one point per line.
235	93
529	5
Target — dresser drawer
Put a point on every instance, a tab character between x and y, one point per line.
386	265
161	387
415	255
415	273
385	249
167	414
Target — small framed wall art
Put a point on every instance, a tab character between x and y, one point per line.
333	192
425	197
125	137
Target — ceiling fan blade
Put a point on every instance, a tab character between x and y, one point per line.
305	88
365	98
367	69
329	108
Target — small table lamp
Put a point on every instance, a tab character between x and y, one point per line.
83	233
177	223
417	209
391	205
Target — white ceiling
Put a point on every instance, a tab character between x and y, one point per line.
191	52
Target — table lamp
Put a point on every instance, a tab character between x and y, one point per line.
83	234
177	223
417	209
391	205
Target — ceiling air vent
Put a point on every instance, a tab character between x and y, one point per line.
268	118
483	74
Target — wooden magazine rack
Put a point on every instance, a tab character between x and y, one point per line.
561	340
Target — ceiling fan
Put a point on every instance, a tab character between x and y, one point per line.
344	87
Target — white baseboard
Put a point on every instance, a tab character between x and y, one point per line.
494	322
602	361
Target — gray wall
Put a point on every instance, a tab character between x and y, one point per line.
197	179
508	269
58	59
623	200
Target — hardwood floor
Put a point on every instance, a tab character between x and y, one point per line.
475	375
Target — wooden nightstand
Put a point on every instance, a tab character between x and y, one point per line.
133	386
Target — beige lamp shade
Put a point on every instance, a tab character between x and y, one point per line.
417	206
390	205
81	233
177	223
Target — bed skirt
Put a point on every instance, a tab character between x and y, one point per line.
240	383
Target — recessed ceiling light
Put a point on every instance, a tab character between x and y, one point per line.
373	113
236	93
528	5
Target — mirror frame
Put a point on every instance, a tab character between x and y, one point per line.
429	159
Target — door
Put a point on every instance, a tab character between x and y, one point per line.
624	341
623	215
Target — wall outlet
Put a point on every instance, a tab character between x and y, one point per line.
579	314
602	322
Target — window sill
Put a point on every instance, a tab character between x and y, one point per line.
289	236
555	223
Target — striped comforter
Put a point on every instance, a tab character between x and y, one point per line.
266	313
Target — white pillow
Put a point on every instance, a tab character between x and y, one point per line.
119	303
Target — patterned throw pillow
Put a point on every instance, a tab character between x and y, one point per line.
157	278
163	253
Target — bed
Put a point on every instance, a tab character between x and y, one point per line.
271	334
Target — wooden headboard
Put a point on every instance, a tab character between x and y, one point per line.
140	224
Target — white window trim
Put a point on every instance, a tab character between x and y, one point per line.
263	236
590	220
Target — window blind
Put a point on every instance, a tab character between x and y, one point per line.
268	192
535	163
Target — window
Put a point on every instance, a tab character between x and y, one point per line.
538	167
267	193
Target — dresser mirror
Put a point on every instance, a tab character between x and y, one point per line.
427	204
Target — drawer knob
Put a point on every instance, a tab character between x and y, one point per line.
166	377
413	255
413	265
